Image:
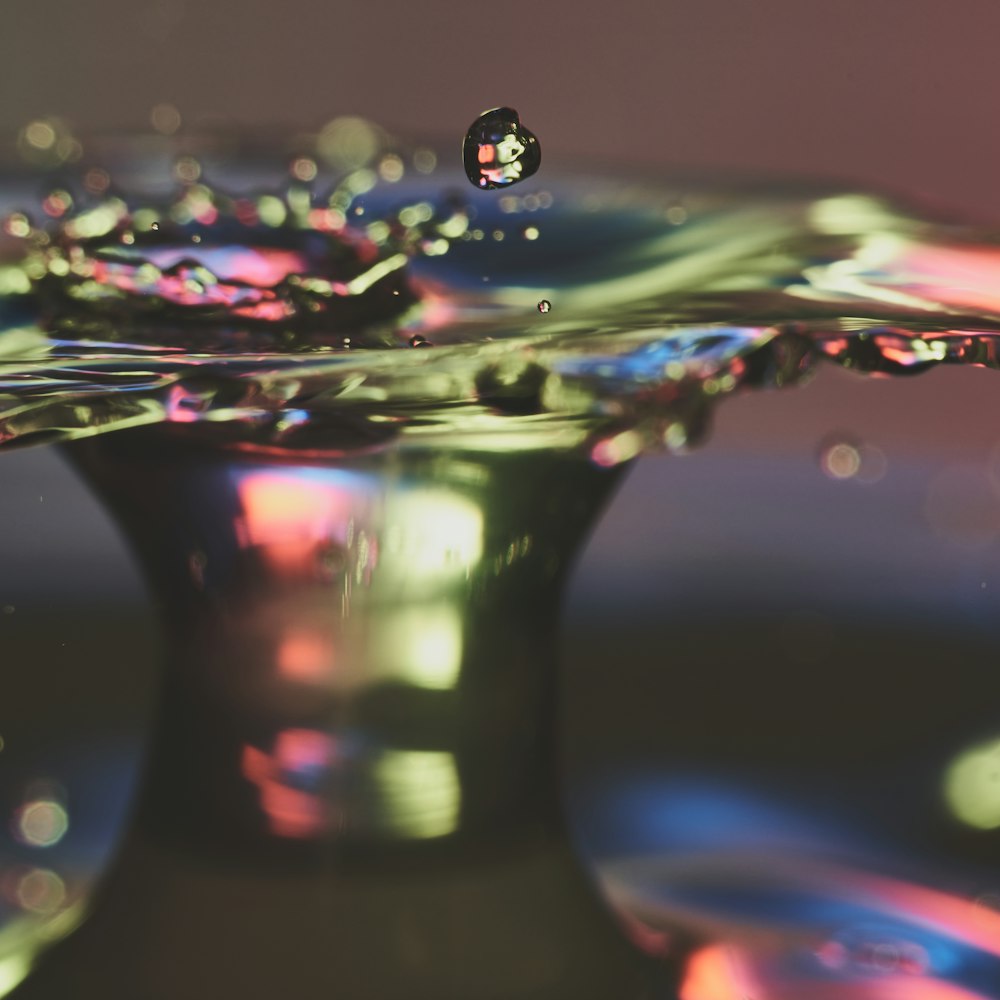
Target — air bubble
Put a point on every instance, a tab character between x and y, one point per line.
544	306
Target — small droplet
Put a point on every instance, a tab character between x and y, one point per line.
544	306
499	151
418	341
154	226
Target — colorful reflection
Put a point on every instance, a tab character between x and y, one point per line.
291	780
293	516
786	928
420	793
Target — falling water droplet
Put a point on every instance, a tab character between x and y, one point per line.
544	306
499	151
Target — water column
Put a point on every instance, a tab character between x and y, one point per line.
351	788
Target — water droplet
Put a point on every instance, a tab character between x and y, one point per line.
418	341
499	151
544	306
155	226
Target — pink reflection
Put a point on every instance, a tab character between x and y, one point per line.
712	974
962	277
289	517
306	656
723	972
300	757
260	266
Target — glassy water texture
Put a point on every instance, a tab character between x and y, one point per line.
275	305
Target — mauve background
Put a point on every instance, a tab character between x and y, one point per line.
898	93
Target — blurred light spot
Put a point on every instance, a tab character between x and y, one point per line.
17	224
290	781
271	211
962	507
378	232
676	215
57	203
617	449
850	213
439	536
304	169
710	974
424	161
306	655
41	891
421	792
390	168
348	142
530	232
41	823
40	135
498	235
48	142
421	645
972	786
840	459
413	215
187	169
96	180
289	515
165	118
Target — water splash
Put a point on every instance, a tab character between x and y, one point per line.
265	290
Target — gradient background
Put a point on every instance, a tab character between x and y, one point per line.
899	92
